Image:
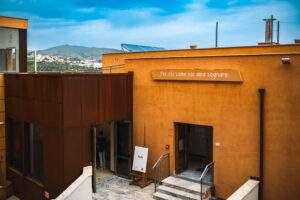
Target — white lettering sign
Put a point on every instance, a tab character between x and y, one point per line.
225	75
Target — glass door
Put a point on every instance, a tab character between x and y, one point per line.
123	148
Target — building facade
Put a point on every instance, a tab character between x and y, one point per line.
49	121
180	94
13	58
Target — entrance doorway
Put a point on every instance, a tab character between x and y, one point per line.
193	149
117	148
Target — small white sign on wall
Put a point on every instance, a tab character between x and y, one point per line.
140	159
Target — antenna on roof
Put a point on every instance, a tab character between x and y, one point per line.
216	34
278	32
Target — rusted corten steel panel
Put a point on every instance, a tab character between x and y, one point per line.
23	50
73	154
71	101
53	161
115	97
34	98
90	99
66	105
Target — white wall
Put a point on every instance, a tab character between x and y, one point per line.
80	189
248	191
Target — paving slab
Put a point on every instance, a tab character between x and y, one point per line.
178	193
183	184
114	187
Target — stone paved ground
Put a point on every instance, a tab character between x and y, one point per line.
114	187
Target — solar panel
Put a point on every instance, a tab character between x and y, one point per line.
136	48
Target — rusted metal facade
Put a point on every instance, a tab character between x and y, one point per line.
66	105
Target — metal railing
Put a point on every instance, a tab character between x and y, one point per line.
111	67
161	169
207	180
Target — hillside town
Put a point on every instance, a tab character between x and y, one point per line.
69	60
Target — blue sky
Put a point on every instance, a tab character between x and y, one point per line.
166	23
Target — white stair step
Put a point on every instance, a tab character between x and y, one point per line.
186	185
163	196
178	193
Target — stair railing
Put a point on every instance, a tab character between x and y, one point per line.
161	169
207	180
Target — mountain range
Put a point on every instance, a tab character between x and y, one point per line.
78	51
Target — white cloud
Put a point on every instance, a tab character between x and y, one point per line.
237	27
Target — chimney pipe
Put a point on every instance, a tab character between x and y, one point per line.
269	30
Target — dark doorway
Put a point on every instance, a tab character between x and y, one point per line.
123	148
194	146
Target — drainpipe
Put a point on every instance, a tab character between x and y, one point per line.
261	143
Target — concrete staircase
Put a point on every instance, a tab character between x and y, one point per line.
175	188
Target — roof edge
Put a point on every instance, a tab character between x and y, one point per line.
209	56
11	22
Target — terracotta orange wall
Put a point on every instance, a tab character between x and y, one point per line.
233	111
119	58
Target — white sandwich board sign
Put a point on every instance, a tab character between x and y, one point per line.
140	159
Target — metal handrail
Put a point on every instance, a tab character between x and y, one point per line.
109	66
163	167
204	176
205	170
159	160
113	67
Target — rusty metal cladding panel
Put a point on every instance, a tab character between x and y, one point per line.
102	99
28	112
52	89
14	107
53	161
18	87
18	182
90	99
72	154
33	191
52	114
9	106
23	50
28	87
72	101
39	87
32	111
130	96
86	148
119	91
115	97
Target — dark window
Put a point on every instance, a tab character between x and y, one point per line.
34	151
14	130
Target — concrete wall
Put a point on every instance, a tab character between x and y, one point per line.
233	111
248	191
